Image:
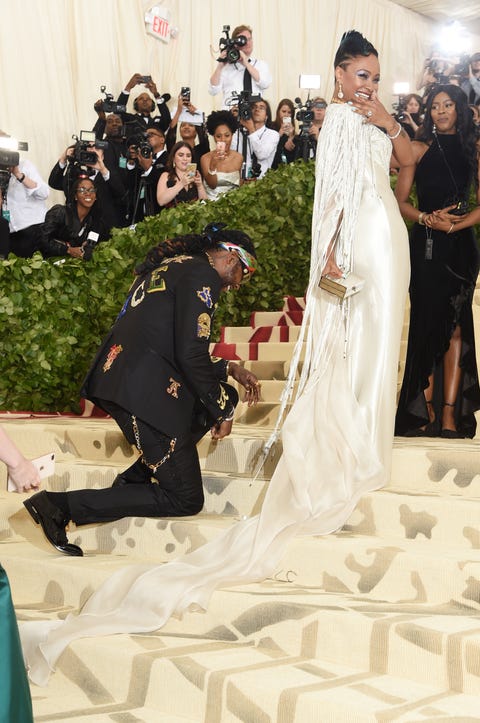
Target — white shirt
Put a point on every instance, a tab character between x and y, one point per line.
26	205
263	142
231	80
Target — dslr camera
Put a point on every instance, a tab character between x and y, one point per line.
400	109
82	150
231	46
109	105
244	100
9	157
304	114
139	144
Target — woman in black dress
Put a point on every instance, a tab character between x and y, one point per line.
440	390
181	182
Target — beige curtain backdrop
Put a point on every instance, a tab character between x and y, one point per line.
55	54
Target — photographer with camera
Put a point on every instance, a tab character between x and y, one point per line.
145	104
471	86
236	69
190	131
255	139
84	158
76	228
147	158
409	113
23	205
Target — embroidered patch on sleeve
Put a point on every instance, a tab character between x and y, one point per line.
205	295
222	401
173	388
112	355
203	326
157	282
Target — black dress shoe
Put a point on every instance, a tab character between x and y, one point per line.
451	434
53	523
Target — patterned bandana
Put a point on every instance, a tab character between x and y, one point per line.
248	261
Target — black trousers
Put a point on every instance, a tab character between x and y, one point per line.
25	242
176	489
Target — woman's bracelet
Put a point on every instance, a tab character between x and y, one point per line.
421	218
395	135
212	173
451	228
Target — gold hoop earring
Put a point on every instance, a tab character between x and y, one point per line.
340	90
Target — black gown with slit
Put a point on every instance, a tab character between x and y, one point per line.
441	294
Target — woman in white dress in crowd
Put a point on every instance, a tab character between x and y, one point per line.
221	167
337	438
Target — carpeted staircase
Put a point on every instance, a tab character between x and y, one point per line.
379	622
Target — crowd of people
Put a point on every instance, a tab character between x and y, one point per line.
136	168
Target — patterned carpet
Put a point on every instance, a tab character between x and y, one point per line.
379	622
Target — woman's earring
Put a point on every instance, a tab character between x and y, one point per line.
340	90
434	129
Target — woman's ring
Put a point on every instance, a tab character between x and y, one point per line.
369	113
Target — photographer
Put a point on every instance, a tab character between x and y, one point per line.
76	228
189	131
247	73
110	188
257	142
145	105
471	86
409	114
24	206
147	160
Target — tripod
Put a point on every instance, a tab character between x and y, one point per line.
305	143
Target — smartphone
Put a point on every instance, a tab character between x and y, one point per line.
221	145
45	465
146	78
191	170
185	93
287	121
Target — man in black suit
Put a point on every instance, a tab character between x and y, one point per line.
144	105
144	170
154	375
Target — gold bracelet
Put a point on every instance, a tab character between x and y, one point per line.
450	229
421	218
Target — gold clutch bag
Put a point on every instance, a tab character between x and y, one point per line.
343	287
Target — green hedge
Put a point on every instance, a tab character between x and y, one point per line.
54	315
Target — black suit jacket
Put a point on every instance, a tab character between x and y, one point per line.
155	362
136	123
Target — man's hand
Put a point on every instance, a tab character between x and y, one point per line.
219	431
248	380
98	108
136	79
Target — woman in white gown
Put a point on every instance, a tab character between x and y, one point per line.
337	437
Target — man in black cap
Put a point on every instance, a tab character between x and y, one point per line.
154	375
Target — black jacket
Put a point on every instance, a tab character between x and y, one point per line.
155	362
62	226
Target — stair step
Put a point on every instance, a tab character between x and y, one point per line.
256	654
276	318
262	351
261	334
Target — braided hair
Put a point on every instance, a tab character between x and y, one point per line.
194	244
351	46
